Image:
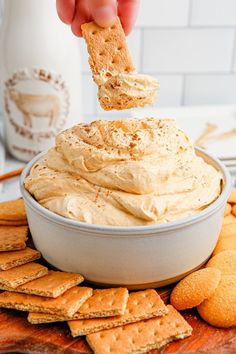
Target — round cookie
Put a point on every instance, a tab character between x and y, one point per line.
234	209
232	197
225	243
227	209
229	219
224	261
220	309
195	288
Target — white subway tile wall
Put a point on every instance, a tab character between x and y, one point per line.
188	45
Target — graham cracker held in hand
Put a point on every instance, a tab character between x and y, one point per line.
13	238
20	275
141	305
52	284
13	210
13	259
141	337
103	303
107	48
66	304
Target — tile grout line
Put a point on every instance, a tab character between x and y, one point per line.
180	73
183	90
190	13
182	27
233	56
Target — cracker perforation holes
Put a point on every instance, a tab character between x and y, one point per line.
113	27
106	40
101	54
94	32
119	48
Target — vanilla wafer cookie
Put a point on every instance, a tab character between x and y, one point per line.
225	261
232	197
220	309
13	238
141	337
107	48
228	209
141	305
195	288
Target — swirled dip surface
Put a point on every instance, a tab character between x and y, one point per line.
125	172
125	90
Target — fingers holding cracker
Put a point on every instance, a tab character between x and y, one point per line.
107	48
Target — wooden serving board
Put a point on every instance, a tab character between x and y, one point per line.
17	335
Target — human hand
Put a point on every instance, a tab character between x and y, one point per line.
103	12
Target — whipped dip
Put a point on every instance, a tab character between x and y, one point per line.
125	90
124	173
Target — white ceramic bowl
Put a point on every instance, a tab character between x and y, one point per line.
137	257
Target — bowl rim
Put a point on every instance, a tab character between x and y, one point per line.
130	230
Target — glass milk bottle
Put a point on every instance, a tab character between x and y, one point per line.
40	76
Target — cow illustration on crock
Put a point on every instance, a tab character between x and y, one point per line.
36	106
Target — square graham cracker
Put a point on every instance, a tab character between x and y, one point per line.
107	48
13	210
13	222
66	304
15	258
103	303
53	284
13	238
22	274
106	302
141	337
141	305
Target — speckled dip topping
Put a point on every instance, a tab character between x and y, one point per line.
124	173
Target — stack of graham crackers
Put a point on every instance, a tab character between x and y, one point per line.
112	319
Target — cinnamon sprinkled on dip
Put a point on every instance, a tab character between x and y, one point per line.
124	173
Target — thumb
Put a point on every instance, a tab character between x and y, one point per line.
103	11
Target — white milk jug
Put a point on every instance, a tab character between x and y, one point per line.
40	76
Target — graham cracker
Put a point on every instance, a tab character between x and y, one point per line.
66	304
13	238
13	210
12	259
107	48
103	303
13	222
106	302
141	305
19	275
53	284
141	337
